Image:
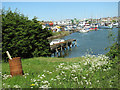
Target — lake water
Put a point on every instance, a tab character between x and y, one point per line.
93	42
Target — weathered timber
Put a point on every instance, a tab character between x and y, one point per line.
60	46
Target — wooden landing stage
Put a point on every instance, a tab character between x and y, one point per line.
59	47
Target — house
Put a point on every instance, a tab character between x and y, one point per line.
62	22
56	29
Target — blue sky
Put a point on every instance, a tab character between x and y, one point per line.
52	11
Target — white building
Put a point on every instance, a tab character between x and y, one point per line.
63	22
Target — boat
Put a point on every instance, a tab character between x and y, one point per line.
105	26
56	41
83	31
115	25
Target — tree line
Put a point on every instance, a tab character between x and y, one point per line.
23	37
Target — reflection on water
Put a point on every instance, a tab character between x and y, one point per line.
93	42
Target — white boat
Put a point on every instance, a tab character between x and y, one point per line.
55	41
115	25
105	27
83	31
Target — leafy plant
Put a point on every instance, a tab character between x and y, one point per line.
22	37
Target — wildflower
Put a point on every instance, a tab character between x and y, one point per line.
84	77
26	74
97	80
63	78
110	85
61	63
38	80
58	77
43	75
8	86
36	83
81	82
16	86
38	75
85	80
44	70
44	82
34	80
32	85
50	72
65	68
87	83
86	74
3	84
104	69
44	86
72	74
52	79
62	72
85	63
73	71
75	79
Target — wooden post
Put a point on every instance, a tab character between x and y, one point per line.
66	46
61	54
61	47
54	54
71	45
76	43
57	51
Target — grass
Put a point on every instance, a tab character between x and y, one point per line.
41	72
61	33
0	76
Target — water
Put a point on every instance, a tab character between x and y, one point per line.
93	42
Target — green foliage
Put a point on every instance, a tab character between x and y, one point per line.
22	37
114	51
114	21
82	72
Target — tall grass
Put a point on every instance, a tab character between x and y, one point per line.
83	72
0	75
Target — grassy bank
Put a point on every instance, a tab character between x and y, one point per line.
88	71
60	34
0	75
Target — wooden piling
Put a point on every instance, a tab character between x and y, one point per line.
62	45
76	43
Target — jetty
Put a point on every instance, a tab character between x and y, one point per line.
62	46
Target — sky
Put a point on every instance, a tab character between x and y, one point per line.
54	11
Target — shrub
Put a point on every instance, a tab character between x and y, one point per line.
114	51
22	37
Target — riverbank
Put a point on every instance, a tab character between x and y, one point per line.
60	34
81	72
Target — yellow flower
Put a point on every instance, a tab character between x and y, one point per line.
32	85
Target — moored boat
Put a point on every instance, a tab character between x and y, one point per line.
83	31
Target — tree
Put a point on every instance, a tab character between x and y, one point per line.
22	37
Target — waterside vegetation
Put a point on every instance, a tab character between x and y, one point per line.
82	72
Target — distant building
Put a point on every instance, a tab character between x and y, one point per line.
63	22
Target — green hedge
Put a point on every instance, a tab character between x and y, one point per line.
22	37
